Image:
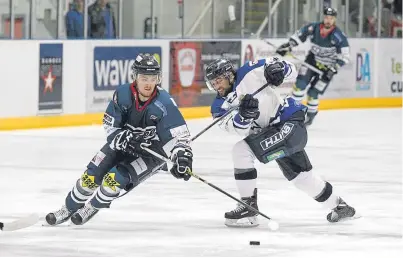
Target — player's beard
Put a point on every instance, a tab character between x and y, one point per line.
146	93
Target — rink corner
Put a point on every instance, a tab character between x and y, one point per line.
37	122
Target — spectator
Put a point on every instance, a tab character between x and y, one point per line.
75	20
101	20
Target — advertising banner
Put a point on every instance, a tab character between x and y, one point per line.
357	79
111	68
188	60
50	78
390	69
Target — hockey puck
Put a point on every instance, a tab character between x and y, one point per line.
254	243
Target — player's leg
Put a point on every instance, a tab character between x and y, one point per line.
303	79
298	169
318	87
127	172
245	178
85	186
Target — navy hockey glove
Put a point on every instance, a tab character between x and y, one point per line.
274	73
286	47
141	139
328	74
121	141
182	157
249	108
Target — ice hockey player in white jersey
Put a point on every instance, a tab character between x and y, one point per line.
274	129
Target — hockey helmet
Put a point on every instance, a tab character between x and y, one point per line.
220	67
146	64
330	11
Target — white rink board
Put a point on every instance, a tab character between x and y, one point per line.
169	217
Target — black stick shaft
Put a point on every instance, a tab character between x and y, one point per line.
230	196
225	114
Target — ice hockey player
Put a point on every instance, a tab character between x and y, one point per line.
274	129
329	51
140	115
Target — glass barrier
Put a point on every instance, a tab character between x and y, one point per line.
5	19
132	19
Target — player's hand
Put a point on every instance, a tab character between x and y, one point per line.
121	141
274	73
249	108
283	49
329	73
182	157
136	145
286	47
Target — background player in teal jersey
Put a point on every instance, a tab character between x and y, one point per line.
329	51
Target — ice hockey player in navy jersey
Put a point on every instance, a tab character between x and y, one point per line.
329	51
140	115
273	129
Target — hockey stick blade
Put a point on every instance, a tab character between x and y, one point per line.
20	223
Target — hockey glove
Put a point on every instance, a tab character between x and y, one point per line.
249	108
328	74
274	73
136	145
286	47
121	141
182	157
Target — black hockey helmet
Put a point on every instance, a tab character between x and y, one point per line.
217	68
146	64
330	11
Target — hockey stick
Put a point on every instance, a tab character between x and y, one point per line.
201	132
225	114
311	67
273	225
20	223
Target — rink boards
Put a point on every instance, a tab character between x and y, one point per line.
68	83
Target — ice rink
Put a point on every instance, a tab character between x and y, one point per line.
358	151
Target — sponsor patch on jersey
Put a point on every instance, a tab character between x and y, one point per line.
98	158
108	120
180	131
276	155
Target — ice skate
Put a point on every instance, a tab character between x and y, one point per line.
84	214
342	212
241	216
59	216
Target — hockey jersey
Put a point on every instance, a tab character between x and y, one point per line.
273	108
159	117
329	49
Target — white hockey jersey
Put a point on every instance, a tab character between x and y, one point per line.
273	108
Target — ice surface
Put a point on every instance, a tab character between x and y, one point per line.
358	151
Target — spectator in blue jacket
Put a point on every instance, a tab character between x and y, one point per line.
101	24
75	20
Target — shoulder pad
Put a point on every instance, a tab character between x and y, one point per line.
123	96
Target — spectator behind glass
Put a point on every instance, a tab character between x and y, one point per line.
75	20
101	20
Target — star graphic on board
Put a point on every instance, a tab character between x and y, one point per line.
48	79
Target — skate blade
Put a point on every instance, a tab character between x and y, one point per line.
356	216
249	222
21	223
